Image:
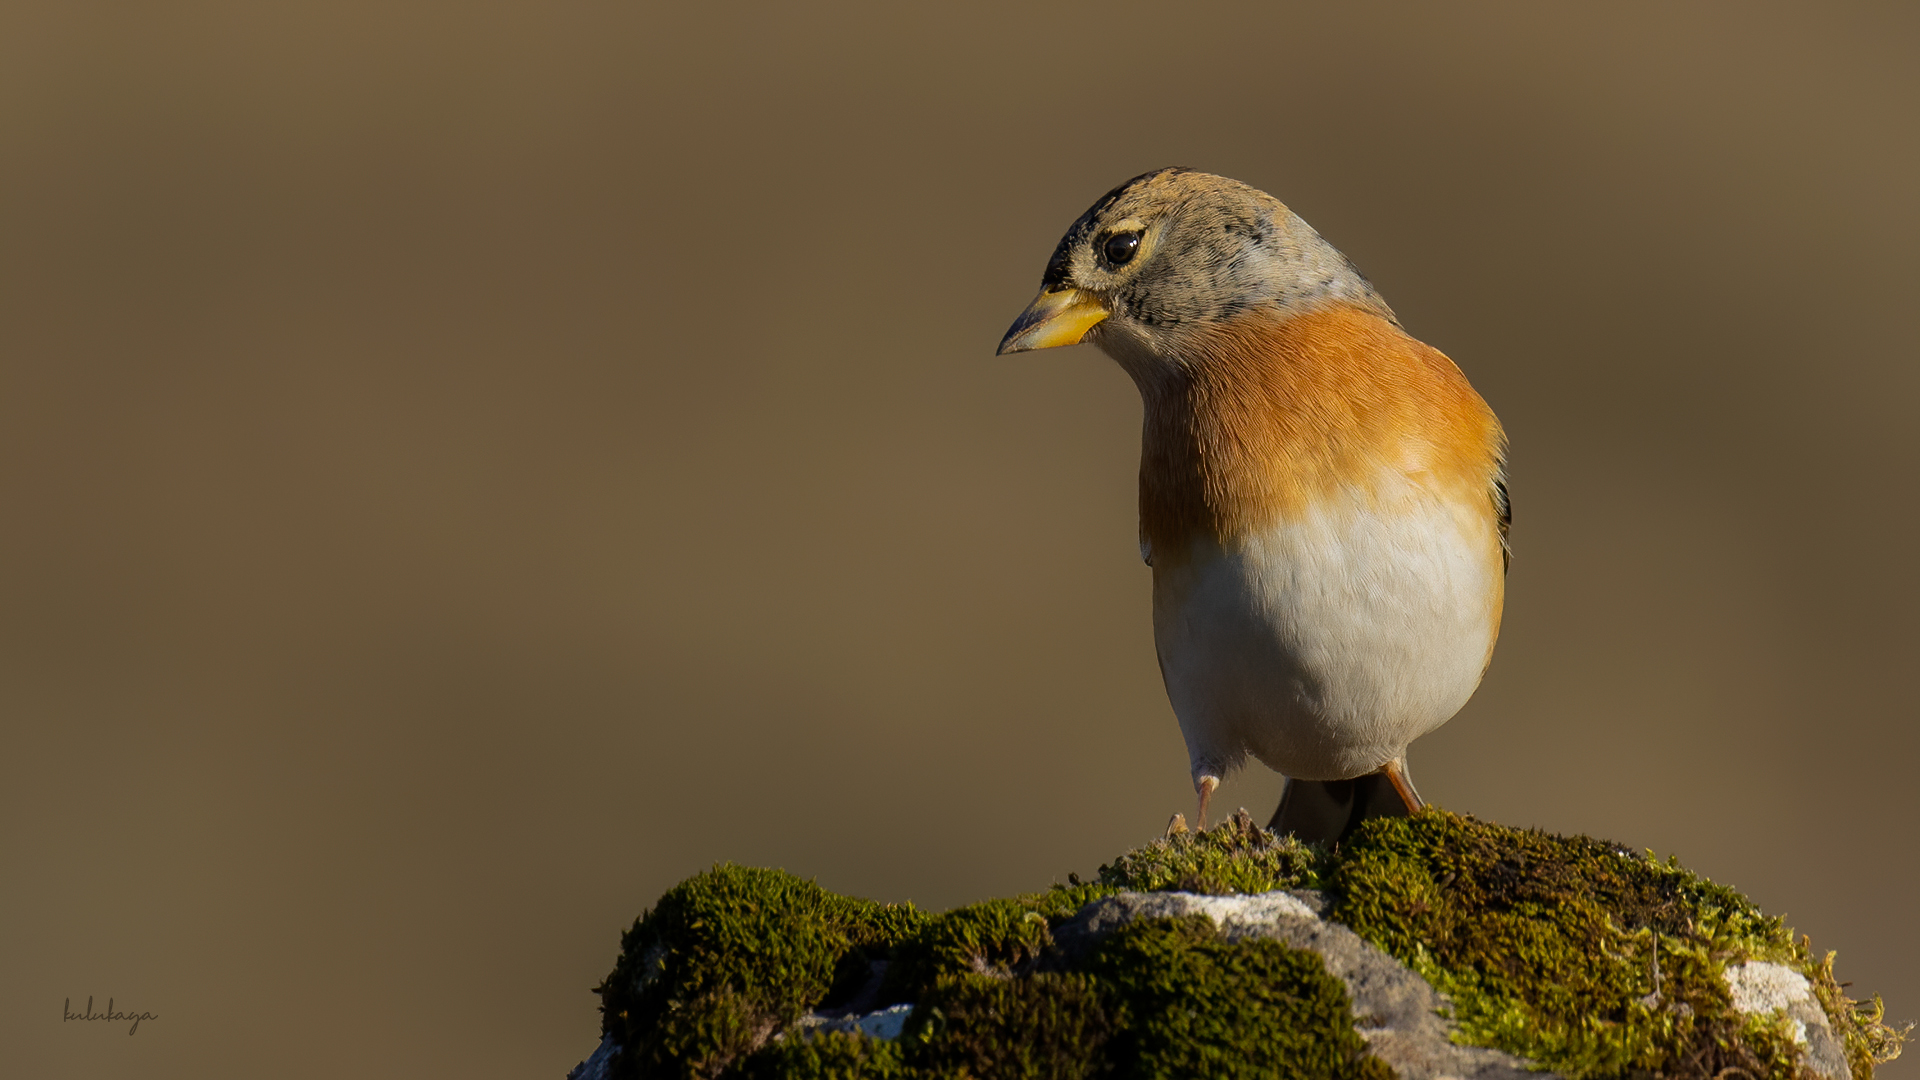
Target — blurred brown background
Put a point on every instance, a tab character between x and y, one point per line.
469	466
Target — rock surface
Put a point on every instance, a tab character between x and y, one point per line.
1395	1010
885	1023
598	1066
1762	988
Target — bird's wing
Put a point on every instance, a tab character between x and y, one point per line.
1503	506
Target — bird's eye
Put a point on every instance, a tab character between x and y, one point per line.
1120	247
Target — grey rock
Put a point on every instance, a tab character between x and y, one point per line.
1761	987
1395	1010
880	1024
599	1066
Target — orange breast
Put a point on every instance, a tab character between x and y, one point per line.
1271	414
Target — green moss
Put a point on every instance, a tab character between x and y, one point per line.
1236	856
1189	1004
1002	938
829	1056
1042	1027
728	958
1862	1025
1165	999
1588	958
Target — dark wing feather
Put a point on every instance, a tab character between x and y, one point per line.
1503	506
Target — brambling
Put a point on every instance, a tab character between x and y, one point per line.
1323	498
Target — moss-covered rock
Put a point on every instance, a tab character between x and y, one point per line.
729	958
1191	1004
1046	1026
1236	856
1581	956
998	938
832	1055
1591	959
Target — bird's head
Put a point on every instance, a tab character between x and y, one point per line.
1167	257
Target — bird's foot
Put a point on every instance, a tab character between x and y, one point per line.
1396	771
1206	786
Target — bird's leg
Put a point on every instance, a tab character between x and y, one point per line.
1396	771
1206	785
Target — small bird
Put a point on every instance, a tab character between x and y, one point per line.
1323	498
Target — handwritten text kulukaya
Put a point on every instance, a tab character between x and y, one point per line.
67	1013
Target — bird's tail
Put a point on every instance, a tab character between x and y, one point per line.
1325	811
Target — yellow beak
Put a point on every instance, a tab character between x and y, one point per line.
1054	318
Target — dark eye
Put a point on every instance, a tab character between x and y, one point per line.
1120	247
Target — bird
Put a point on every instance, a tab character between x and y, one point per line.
1323	497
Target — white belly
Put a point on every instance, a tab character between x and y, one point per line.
1326	644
